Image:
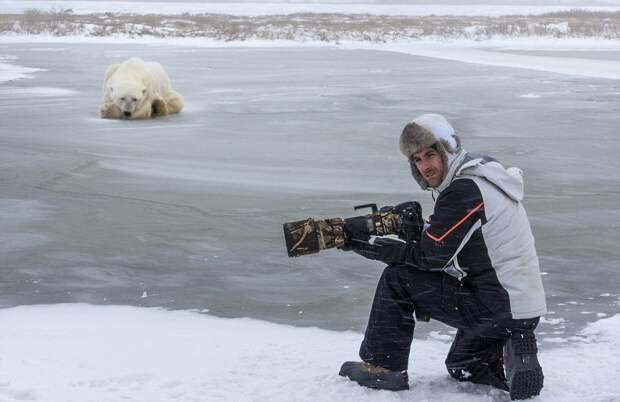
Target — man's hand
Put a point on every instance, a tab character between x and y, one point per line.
388	250
362	248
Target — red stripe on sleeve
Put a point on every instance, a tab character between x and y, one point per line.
456	225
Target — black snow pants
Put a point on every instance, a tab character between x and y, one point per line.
476	354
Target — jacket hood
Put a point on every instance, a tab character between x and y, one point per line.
508	180
451	171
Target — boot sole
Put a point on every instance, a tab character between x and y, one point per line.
526	384
525	376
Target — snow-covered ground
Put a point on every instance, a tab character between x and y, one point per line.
10	72
85	353
284	8
505	53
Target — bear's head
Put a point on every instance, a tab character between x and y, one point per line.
129	96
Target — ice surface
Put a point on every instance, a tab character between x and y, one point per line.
81	352
15	214
185	212
189	208
581	57
36	91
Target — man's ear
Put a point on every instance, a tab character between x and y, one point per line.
111	89
144	92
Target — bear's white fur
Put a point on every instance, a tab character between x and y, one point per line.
136	89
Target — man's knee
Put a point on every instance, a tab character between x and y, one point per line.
393	273
394	269
409	274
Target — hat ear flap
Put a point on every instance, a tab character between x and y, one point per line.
441	150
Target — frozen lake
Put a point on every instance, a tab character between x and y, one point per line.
185	212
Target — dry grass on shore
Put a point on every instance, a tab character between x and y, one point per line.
320	27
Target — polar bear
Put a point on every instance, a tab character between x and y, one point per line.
136	89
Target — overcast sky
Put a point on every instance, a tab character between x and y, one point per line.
412	2
501	2
505	2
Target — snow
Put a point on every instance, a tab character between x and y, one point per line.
439	336
496	53
11	72
552	321
279	8
80	352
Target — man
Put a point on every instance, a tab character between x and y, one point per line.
474	268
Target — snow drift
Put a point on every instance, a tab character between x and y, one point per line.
78	352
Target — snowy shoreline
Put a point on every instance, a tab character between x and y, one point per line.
81	352
311	26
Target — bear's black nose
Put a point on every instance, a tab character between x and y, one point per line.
127	114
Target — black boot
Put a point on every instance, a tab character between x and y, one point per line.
523	372
367	375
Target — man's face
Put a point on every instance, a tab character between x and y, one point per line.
430	165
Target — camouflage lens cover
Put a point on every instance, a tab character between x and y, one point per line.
310	236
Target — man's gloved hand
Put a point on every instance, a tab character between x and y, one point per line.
362	248
390	251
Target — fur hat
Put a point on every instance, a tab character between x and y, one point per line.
429	130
